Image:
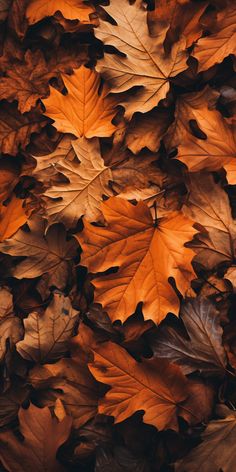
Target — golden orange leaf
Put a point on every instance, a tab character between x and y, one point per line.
70	9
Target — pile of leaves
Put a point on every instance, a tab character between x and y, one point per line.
117	235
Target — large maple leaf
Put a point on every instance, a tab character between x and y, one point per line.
83	111
213	143
146	253
88	181
145	63
154	386
70	9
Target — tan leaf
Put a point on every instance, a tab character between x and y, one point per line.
213	48
83	111
50	253
47	336
145	254
88	181
145	63
43	435
154	386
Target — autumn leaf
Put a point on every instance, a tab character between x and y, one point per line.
46	336
216	451
145	63
70	9
83	111
88	180
49	253
203	351
145	253
11	330
136	386
214	48
204	138
43	435
12	217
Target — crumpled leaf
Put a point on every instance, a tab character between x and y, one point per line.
145	255
216	452
203	351
82	112
47	336
145	63
87	181
214	48
138	386
43	435
47	253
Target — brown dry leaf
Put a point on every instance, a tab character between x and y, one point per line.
145	63
70	9
215	145
208	204
4	8
11	329
83	111
229	341
145	254
47	253
12	217
213	49
154	386
43	435
216	452
147	130
203	351
16	128
9	176
88	180
71	381
179	17
47	336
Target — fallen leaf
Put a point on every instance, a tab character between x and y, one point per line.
47	336
70	9
12	217
43	435
83	111
145	254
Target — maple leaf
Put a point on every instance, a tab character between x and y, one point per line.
216	452
49	253
43	435
88	181
12	217
71	381
212	49
16	128
154	386
146	255
46	336
70	9
203	350
83	111
145	63
209	204
215	144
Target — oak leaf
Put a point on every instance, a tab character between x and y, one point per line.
88	180
213	48
83	111
47	336
70	9
216	452
50	253
145	63
43	435
208	204
214	145
203	350
146	256
154	386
